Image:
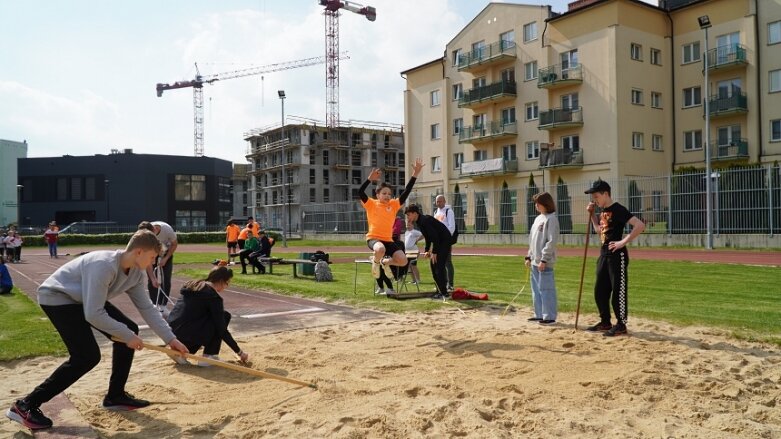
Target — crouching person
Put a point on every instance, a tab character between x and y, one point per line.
76	300
199	318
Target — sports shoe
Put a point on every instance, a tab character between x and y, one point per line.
534	319
389	291
30	417
619	329
207	364
547	322
375	269
123	402
439	297
387	268
179	359
450	288
599	327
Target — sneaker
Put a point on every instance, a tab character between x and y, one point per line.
389	291
30	417
619	329
547	322
375	269
533	319
599	327
450	288
439	297
124	402
387	268
178	359
207	364
414	282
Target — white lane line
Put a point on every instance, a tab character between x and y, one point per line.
282	313
22	274
287	302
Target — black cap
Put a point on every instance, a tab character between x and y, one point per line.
598	186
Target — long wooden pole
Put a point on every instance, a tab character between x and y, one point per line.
583	270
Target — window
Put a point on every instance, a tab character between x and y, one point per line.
692	140
636	51
480	155
691	52
312	157
326	195
775	130
729	135
190	187
570	101
458	91
435	134
312	176
571	143
529	32
508	75
508	152
436	164
656	142
656	57
435	98
532	150
532	111
458	159
325	157
325	176
224	190
479	121
75	188
190	218
312	195
775	81
691	97
507	38
569	60
637	96
656	99
530	69
458	126
637	140
774	32
478	49
508	115
456	56
478	82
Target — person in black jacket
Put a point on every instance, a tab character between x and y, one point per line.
438	245
199	318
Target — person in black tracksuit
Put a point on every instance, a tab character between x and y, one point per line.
438	240
199	318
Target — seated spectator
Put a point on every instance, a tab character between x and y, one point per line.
6	284
264	251
251	245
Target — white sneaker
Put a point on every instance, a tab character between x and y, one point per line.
179	359
206	364
389	292
375	269
379	290
387	268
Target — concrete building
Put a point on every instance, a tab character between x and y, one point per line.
320	168
240	183
187	192
10	153
609	89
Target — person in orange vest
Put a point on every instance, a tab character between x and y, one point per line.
254	225
232	239
243	236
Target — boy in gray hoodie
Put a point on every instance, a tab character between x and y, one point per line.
541	257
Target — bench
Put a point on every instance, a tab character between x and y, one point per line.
270	262
400	283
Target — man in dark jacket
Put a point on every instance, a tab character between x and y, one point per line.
438	245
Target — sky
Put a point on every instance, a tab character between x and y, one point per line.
78	77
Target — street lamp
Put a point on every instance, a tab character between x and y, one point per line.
19	188
704	22
286	190
108	216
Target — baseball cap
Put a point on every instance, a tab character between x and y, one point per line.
598	186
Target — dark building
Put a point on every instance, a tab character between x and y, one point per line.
123	187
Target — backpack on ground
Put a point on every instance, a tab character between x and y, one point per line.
323	272
319	256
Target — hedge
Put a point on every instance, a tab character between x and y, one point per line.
123	238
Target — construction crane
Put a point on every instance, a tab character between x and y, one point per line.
199	80
331	13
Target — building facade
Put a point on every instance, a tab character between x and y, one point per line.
187	192
610	89
10	192
240	190
320	170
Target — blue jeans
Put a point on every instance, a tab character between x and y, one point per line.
543	293
52	249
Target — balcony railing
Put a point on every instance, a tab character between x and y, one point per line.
552	158
734	149
554	76
560	118
727	56
497	166
494	52
488	93
721	106
489	131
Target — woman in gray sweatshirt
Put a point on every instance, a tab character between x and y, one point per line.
541	258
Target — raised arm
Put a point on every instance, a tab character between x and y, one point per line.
415	172
373	176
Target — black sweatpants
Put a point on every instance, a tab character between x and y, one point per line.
84	352
439	270
211	343
168	271
612	282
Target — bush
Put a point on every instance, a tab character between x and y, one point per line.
121	239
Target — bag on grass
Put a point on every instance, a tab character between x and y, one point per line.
323	272
462	294
319	256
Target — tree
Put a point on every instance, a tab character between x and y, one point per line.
635	200
563	207
531	212
458	210
481	216
506	211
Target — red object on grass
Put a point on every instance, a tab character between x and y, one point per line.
462	294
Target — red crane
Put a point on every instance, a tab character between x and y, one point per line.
331	13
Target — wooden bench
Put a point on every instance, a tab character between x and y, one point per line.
270	262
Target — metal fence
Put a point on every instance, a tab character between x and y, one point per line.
744	201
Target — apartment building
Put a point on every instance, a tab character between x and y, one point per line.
610	89
320	170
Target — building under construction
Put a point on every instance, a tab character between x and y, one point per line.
305	177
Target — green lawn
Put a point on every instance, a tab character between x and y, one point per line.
25	330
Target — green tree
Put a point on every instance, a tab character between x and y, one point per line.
563	207
506	211
481	216
458	210
531	212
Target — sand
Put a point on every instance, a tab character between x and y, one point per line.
447	374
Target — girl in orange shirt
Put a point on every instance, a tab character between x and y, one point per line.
232	239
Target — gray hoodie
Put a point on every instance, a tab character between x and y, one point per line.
96	278
543	238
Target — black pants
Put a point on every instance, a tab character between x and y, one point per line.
244	258
612	281
84	352
449	267
212	343
168	271
439	270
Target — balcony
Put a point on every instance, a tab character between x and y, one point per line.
484	133
725	106
560	157
498	166
493	93
494	53
561	118
726	57
555	77
735	149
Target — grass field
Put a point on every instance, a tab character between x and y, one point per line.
25	330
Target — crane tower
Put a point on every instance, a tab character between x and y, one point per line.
331	13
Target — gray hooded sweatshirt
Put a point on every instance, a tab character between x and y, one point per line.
543	238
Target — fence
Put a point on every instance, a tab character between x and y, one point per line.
744	201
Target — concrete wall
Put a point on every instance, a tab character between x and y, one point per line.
10	152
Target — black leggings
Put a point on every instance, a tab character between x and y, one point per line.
84	352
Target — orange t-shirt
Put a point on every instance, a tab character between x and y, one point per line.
243	234
381	218
256	228
232	233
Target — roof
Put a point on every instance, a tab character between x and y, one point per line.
488	6
423	65
601	2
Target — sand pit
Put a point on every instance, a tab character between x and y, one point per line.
449	374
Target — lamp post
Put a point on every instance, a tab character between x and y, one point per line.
286	190
19	188
704	22
108	216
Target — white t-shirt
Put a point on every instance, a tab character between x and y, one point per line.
411	239
167	236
